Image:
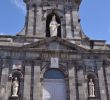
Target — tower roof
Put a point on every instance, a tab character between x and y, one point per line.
39	2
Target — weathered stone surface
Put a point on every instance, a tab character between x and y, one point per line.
83	91
72	86
14	98
27	82
78	56
37	84
108	78
101	82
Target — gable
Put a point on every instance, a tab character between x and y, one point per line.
54	43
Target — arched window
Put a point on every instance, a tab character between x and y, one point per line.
54	85
49	18
53	74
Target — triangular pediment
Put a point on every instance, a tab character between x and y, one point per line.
54	43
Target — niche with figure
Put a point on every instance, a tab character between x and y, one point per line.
92	84
15	78
55	17
15	87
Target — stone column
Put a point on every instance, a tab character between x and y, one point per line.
9	83
30	22
27	81
63	28
1	63
1	88
34	25
21	92
4	83
40	23
76	24
68	24
72	82
106	71
83	92
37	84
108	78
101	81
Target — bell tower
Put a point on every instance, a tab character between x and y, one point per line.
40	13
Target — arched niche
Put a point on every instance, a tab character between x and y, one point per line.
15	77
16	73
48	20
93	76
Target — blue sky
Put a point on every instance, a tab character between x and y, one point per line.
12	16
95	19
94	14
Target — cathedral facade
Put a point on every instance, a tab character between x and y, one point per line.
52	58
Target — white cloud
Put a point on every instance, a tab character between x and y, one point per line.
108	42
2	34
19	4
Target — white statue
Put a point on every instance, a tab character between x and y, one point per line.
15	87
53	27
91	89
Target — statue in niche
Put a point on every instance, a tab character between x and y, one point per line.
91	88
15	87
53	26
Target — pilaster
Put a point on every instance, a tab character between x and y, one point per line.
82	84
37	91
76	24
69	34
4	83
106	79
27	81
22	81
107	70
72	82
30	21
97	72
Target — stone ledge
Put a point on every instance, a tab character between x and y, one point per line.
13	98
92	98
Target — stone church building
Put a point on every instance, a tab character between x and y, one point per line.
52	58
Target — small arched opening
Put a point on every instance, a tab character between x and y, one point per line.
92	85
54	86
48	20
16	76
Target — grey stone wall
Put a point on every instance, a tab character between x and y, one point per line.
5	85
37	15
76	61
31	84
27	82
108	79
37	94
72	83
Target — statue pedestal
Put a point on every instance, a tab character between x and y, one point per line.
92	98
14	98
